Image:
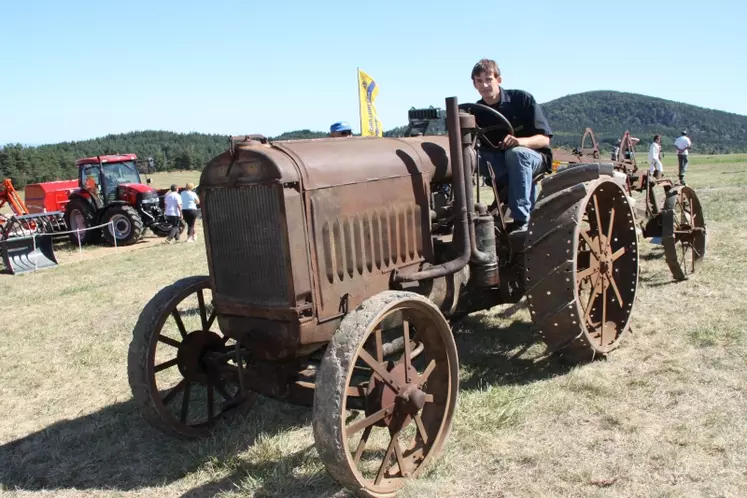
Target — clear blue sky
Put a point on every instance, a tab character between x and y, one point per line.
76	69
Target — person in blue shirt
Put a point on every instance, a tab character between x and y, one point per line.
340	129
190	201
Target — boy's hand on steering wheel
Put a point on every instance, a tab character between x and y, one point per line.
509	142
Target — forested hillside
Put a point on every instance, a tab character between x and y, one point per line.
608	113
611	113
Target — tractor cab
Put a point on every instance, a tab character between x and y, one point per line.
110	179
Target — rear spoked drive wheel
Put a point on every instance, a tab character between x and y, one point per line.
582	264
385	393
683	232
183	372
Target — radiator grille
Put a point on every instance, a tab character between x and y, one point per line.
383	238
248	241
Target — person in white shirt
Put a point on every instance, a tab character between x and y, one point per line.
173	213
190	201
655	167
683	144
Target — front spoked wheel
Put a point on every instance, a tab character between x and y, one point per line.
183	372
385	393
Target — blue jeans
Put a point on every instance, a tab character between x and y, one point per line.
514	167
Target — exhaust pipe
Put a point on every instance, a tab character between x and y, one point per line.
461	240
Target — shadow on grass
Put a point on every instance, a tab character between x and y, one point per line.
654	254
495	355
115	449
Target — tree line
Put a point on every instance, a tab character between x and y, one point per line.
608	113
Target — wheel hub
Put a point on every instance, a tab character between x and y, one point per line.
191	352
407	403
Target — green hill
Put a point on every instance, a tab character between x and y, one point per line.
611	113
608	113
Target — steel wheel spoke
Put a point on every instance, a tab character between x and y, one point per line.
421	428
368	421
398	455
165	365
600	231
618	253
593	295
378	369
604	313
584	274
427	373
379	346
174	390
387	457
169	341
613	284
612	224
590	244
408	360
362	444
211	319
178	319
203	311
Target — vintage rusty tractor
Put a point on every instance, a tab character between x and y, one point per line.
335	266
664	211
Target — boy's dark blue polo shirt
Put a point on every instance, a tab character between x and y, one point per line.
525	115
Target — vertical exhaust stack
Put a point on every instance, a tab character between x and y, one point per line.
462	230
484	253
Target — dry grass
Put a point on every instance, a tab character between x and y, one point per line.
663	416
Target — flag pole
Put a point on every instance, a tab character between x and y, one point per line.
360	115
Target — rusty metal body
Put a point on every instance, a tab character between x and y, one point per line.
299	232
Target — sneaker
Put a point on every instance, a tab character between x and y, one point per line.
189	239
517	226
167	241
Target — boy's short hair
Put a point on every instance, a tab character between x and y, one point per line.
486	66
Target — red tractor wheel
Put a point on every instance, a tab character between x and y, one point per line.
126	225
79	215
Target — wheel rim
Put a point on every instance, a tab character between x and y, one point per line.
685	236
398	400
191	367
606	266
121	226
77	222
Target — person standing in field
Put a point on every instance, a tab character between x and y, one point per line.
616	150
190	201
655	167
683	144
173	213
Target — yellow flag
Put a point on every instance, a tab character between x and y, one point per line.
367	92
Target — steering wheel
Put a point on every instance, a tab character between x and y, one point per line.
492	120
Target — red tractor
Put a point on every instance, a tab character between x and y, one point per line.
110	191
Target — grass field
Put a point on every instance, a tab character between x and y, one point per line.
665	415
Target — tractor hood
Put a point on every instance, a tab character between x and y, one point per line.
137	187
328	162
